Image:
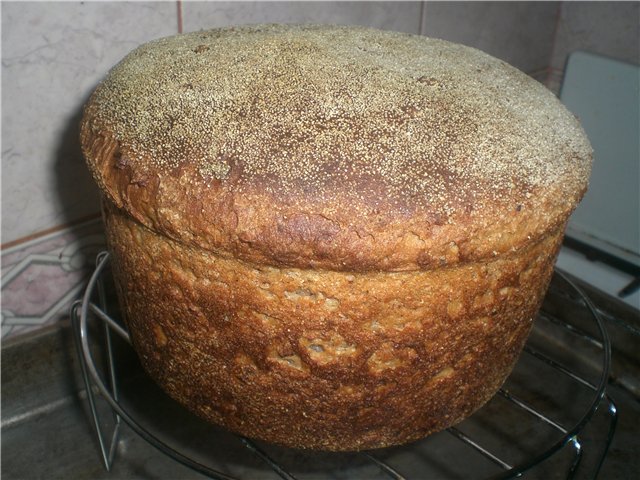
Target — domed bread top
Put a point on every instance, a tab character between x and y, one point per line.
334	147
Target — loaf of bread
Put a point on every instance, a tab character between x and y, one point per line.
330	237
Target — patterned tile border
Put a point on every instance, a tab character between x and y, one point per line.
40	278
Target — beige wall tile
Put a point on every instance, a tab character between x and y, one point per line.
53	55
607	28
520	33
398	16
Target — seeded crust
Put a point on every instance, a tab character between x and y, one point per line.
327	237
330	147
323	359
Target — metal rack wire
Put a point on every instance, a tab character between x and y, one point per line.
92	309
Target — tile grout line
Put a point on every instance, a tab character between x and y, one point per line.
47	233
554	39
17	419
423	17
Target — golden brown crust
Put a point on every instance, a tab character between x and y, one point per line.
330	237
333	147
324	359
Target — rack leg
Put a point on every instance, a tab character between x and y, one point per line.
612	410
577	447
106	452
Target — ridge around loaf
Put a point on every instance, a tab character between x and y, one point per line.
372	129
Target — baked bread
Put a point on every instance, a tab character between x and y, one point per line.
330	237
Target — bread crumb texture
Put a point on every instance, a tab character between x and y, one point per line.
361	132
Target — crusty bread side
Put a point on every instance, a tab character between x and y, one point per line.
321	359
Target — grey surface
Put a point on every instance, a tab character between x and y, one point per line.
605	95
520	33
46	431
608	28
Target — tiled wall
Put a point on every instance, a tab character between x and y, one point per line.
53	55
611	29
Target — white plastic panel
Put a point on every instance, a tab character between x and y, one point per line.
605	95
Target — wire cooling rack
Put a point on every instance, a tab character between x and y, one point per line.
535	423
